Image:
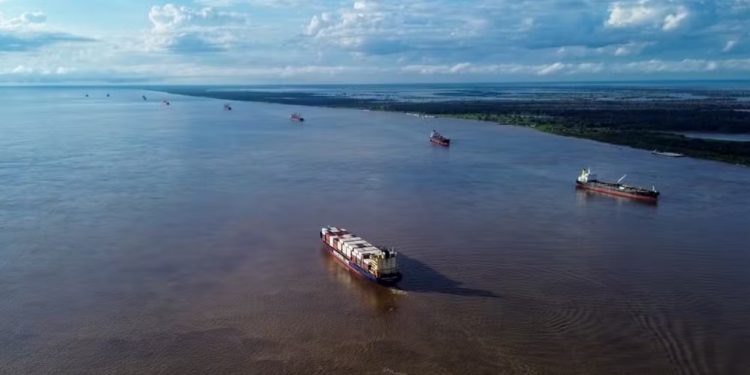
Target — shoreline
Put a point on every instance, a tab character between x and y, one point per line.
613	122
642	140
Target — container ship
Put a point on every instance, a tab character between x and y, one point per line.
586	180
296	117
439	139
374	263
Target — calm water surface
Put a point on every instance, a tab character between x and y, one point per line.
139	238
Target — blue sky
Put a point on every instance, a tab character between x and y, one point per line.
369	41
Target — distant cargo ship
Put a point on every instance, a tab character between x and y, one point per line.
586	180
375	263
439	139
296	117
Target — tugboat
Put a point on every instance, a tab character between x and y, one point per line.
587	181
296	117
438	139
375	263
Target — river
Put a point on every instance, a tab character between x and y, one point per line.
137	237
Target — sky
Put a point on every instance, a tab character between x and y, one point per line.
371	41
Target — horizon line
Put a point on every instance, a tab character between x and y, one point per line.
144	85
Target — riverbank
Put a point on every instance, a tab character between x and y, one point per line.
703	148
650	124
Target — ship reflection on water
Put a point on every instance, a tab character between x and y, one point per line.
380	298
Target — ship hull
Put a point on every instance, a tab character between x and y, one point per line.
358	270
441	142
616	193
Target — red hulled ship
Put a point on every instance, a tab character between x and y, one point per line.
587	181
439	139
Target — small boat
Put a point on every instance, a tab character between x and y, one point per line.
227	107
108	95
588	181
296	117
87	95
144	98
668	154
374	263
439	139
166	102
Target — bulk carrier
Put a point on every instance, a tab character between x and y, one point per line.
586	180
375	263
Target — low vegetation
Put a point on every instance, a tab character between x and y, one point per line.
726	151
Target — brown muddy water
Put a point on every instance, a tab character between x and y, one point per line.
140	238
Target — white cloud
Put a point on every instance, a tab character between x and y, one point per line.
318	23
386	27
21	69
631	48
190	72
674	20
729	45
682	66
468	69
665	15
551	69
28	20
26	70
505	69
633	14
390	40
258	3
585	68
172	17
185	30
29	31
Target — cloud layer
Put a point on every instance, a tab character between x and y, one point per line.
28	31
389	40
184	30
